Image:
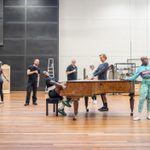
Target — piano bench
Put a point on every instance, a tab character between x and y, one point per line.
53	101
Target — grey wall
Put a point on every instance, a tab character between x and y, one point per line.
30	31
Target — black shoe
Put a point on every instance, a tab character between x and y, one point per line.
103	109
34	103
26	104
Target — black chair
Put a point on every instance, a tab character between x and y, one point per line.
53	101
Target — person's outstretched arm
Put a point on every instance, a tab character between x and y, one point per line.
135	76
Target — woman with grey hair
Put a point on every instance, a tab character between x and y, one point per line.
1	81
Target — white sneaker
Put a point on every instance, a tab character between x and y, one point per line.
1	102
148	117
136	118
94	102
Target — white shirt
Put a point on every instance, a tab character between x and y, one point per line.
90	73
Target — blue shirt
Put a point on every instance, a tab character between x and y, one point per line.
49	82
101	71
143	71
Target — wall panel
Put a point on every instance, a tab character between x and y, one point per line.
30	31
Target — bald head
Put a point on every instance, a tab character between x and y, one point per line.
144	60
73	62
36	62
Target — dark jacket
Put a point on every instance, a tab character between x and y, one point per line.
101	71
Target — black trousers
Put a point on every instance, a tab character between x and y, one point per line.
54	94
1	90
104	99
31	86
94	97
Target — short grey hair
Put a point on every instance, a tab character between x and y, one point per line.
45	73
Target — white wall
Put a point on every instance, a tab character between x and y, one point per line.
119	28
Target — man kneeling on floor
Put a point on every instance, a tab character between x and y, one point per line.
54	89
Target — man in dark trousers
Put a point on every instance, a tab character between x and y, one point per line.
33	73
72	72
101	72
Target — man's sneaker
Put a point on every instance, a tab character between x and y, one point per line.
34	103
66	103
1	102
26	104
136	118
62	112
148	117
103	109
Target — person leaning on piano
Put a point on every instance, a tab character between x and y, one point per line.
54	89
101	73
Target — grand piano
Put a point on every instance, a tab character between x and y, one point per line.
87	88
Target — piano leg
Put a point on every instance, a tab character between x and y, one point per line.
75	103
86	103
131	103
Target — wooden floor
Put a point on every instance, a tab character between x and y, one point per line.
28	128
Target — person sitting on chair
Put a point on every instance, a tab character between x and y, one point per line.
54	89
